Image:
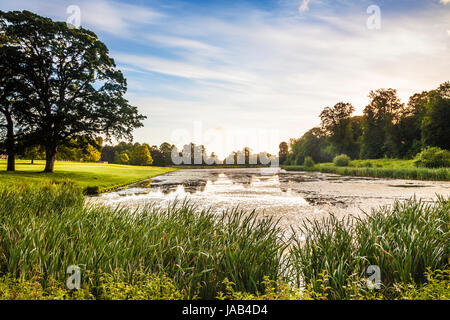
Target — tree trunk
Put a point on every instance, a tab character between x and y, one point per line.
11	161
50	158
10	147
32	161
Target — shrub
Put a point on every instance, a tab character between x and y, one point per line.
309	162
342	160
433	157
92	190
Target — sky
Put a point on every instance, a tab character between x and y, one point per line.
229	74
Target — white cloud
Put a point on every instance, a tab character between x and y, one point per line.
261	69
111	17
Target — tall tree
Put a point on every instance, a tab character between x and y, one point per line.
381	118
79	89
141	155
283	153
336	123
12	92
436	122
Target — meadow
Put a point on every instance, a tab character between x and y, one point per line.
379	168
94	177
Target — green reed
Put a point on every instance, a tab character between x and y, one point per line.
47	229
439	174
404	241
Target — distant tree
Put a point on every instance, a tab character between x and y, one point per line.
121	158
166	150
141	155
381	118
337	124
76	87
283	153
409	126
312	144
436	122
33	153
90	154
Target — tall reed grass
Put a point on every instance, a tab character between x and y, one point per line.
440	174
46	230
404	241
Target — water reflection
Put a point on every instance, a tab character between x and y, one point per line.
273	192
256	189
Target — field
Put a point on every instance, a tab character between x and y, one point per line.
86	175
380	168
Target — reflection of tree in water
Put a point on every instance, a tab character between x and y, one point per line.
199	185
244	179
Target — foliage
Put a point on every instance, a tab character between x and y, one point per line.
342	160
388	128
441	174
309	162
435	124
284	151
74	86
433	157
115	286
141	155
196	248
404	241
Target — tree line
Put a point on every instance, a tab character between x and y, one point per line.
387	128
60	90
190	154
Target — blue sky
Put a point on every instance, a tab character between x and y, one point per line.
235	73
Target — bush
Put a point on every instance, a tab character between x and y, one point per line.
364	164
92	190
309	162
342	160
433	157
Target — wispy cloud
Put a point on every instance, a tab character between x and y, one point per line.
255	67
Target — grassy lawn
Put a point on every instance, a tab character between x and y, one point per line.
103	176
380	168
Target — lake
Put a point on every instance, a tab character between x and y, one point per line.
290	196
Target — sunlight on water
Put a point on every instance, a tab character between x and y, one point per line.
272	192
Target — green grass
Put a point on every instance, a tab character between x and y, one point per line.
127	254
405	241
94	175
47	229
380	168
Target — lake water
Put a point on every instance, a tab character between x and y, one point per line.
291	196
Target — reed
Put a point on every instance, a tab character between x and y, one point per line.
404	241
439	174
47	229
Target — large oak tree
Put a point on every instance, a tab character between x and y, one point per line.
77	90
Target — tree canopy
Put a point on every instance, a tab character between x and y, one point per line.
74	87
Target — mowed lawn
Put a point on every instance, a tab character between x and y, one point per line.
103	176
